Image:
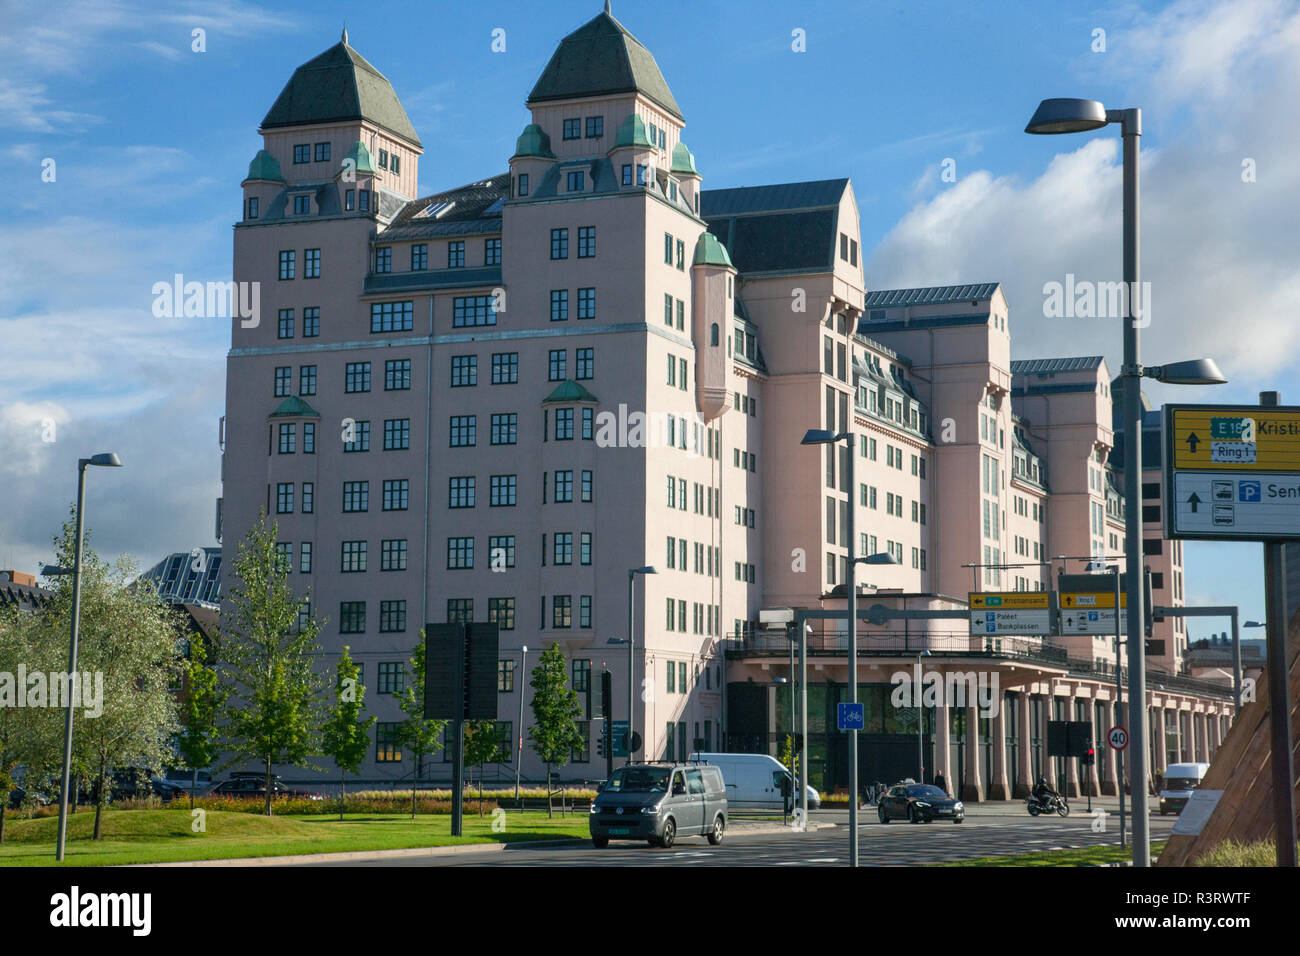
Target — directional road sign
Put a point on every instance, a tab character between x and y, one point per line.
1010	612
1232	472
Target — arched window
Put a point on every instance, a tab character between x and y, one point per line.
713	334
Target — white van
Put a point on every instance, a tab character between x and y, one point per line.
1180	780
755	781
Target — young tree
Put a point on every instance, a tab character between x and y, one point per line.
418	734
482	744
346	736
268	654
29	736
203	698
128	651
554	733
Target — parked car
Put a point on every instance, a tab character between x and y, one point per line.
917	803
180	777
1180	780
659	802
755	781
20	795
253	784
137	784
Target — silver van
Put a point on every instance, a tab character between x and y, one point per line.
659	802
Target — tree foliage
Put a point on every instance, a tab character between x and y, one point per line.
417	733
554	734
346	735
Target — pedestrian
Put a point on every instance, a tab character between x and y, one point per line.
940	782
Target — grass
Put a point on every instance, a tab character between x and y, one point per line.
164	836
1086	856
1235	853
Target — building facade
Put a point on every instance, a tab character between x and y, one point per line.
492	403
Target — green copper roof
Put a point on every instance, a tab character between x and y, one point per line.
683	161
632	132
294	407
265	166
534	141
360	157
710	252
569	391
601	58
338	86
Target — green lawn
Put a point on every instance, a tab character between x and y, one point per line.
1099	854
164	836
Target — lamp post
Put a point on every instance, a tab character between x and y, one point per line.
631	660
785	803
108	460
519	756
920	720
1078	116
821	436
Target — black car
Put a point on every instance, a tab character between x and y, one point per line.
19	795
917	803
252	784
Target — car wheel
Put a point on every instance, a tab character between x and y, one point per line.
670	834
884	817
715	835
600	842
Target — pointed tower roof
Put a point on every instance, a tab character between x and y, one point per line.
599	58
338	86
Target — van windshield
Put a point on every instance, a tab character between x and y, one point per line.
1181	783
638	780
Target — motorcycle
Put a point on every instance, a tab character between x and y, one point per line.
1046	804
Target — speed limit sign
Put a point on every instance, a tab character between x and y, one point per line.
1117	737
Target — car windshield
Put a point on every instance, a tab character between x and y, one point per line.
638	780
1181	783
926	792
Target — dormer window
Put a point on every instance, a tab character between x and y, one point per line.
395	164
654	135
595	127
252	208
301	205
322	152
672	190
576	181
383	159
573	128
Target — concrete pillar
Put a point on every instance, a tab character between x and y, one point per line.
942	747
1024	784
999	786
1109	754
972	788
1072	788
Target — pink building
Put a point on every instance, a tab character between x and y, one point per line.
491	403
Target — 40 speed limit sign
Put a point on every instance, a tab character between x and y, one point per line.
1117	737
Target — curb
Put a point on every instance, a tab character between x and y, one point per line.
362	855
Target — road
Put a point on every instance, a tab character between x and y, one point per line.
993	829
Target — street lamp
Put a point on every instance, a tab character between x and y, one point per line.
519	756
106	460
920	721
822	436
631	643
1064	115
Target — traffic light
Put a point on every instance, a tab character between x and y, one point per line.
1090	757
606	694
600	744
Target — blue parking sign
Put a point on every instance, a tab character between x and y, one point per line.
850	716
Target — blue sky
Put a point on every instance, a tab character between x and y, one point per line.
151	141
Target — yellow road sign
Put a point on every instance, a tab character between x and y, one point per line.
1008	599
1235	438
1093	600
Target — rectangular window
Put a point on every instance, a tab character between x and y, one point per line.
352	620
460	554
356	496
363	200
288	439
505	428
473	310
463	430
312	264
356	376
557	368
387	742
464	370
584	611
392	677
456	254
461	491
391	316
588	422
562	611
506	668
397	375
304	558
575	180
585	360
301	153
503	491
627	178
501	612
559	305
564	424
573	128
354	557
392	554
396	494
505	368
586	303
501	551
284	327
283	381
306	379
668	249
586	485
595	127
419	256
288	263
384	259
460	610
359	435
681	255
311	322
584	548
523	184
492	252
562	547
586	242
308	497
397	434
252	206
559	243
392	617
284	498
